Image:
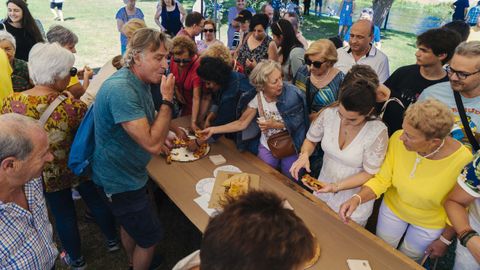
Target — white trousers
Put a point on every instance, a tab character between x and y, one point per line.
391	229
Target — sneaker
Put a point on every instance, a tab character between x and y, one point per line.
78	264
113	245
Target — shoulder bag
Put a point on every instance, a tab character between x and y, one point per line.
280	144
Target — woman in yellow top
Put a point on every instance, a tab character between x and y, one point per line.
420	169
5	79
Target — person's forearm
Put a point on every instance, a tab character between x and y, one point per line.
458	215
160	127
367	194
353	181
307	147
195	105
448	233
86	82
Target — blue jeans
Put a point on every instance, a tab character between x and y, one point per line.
63	209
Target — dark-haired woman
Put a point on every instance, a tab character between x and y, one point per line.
170	16
22	26
290	50
258	45
230	93
354	143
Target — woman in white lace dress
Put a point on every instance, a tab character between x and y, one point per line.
354	141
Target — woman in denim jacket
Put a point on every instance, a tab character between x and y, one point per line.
284	108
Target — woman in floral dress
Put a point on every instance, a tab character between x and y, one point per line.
51	67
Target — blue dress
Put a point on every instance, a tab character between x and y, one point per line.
123	16
346	13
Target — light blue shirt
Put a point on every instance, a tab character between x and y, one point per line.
119	163
444	93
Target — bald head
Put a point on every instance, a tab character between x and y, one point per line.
364	26
361	34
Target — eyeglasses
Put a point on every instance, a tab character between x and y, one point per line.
460	74
182	61
73	71
208	30
316	64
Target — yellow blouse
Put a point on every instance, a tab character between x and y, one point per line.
417	200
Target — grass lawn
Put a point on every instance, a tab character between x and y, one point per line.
94	23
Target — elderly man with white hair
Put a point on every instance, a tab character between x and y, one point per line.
20	77
127	134
25	231
51	67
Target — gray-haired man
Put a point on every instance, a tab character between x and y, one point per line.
127	134
25	231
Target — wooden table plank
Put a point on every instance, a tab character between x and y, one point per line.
338	241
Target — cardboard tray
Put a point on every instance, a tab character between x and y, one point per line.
219	190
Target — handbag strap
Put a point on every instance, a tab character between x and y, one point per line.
46	114
466	125
260	105
384	107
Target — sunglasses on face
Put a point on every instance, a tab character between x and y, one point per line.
73	71
316	64
208	30
182	61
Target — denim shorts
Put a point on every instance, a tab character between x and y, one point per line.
56	5
133	211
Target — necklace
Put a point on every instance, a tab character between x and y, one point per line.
321	78
419	158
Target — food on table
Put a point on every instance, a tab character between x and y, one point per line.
236	185
312	182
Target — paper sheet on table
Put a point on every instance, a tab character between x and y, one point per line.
202	201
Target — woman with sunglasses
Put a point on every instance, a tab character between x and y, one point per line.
183	65
354	142
290	49
22	26
209	38
318	78
51	68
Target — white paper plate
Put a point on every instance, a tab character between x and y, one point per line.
205	186
227	168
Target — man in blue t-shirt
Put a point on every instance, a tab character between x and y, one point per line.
464	75
127	134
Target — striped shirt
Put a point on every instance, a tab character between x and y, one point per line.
26	239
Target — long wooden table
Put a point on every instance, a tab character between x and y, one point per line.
338	241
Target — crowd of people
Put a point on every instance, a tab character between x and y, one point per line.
409	138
